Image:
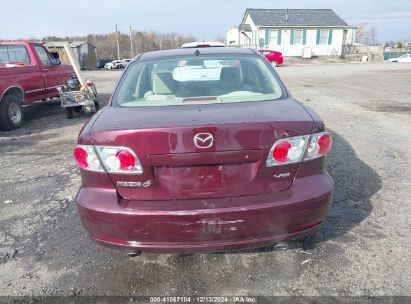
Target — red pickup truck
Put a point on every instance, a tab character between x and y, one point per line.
28	72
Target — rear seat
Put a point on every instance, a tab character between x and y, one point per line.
163	85
231	80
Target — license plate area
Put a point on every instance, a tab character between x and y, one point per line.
189	179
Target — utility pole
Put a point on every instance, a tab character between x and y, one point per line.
118	45
131	45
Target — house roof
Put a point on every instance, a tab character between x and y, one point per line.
245	27
296	17
60	44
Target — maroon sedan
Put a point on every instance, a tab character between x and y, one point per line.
202	150
276	58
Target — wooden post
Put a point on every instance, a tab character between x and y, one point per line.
74	63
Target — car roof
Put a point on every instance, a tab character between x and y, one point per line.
17	42
194	51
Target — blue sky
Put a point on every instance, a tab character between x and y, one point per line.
211	18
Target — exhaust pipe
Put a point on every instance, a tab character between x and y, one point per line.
282	246
133	253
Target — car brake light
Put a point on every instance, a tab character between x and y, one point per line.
299	148
127	160
280	152
107	158
287	151
320	145
86	158
325	144
80	156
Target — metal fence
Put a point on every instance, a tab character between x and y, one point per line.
373	52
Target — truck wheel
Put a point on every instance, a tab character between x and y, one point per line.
69	112
11	113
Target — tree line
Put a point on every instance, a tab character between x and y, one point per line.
106	44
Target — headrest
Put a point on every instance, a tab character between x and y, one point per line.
164	84
231	77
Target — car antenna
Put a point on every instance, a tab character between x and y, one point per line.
197	52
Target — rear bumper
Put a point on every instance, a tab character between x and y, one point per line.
206	225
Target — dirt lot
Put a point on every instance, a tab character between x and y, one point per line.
363	248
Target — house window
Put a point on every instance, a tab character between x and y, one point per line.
324	36
272	36
298	36
261	34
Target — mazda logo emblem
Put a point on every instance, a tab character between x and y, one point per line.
203	140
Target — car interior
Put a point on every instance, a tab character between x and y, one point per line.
181	80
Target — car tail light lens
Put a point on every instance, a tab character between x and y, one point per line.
111	159
119	160
80	156
127	160
287	151
324	141
299	148
280	152
320	145
86	158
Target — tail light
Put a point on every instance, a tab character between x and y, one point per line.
320	145
292	150
107	159
287	151
80	156
86	158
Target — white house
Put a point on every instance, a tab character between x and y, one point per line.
319	32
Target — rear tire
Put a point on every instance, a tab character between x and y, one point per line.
11	113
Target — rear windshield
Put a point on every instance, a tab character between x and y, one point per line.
200	80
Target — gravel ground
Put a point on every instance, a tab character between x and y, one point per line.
363	248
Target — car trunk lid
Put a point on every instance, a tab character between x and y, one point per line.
228	158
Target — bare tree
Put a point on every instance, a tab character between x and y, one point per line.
362	33
365	35
142	41
373	35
